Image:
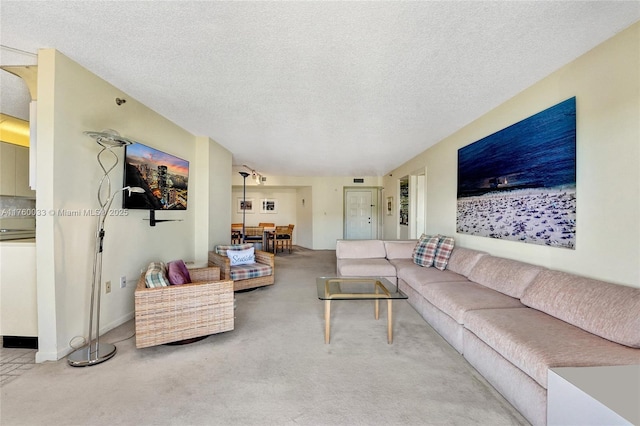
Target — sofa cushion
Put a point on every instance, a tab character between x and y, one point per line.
402	263
425	250
462	260
156	275
456	298
608	310
507	276
365	268
445	247
253	270
415	275
178	273
360	249
534	341
399	249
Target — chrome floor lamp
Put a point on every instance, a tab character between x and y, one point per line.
95	352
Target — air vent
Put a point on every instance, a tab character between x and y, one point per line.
358	180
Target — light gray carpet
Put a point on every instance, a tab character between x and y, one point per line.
273	369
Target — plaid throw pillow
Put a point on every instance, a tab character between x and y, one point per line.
425	251
445	247
222	249
156	275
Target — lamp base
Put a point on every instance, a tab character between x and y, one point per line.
90	355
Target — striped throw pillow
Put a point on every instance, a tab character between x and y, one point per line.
443	252
156	275
425	251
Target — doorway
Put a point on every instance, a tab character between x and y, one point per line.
418	205
413	205
361	213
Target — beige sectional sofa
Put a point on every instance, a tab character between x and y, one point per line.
511	320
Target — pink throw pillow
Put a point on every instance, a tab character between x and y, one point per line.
178	272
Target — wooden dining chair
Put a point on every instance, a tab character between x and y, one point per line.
289	242
236	233
283	237
253	234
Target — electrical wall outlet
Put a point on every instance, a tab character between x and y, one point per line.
107	287
123	282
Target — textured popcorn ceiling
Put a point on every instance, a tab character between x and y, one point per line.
313	88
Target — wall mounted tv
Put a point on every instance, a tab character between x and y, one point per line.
164	178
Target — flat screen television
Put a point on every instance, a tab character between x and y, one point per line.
164	178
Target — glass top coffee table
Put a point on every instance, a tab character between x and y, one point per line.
357	288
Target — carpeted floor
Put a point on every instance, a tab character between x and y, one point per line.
273	369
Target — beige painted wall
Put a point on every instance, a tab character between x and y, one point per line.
213	169
304	217
72	100
319	223
286	204
606	84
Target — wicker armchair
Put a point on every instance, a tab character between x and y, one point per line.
224	264
179	312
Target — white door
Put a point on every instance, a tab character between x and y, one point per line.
360	215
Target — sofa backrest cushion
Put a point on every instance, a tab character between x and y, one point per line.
608	310
360	249
507	276
399	249
462	260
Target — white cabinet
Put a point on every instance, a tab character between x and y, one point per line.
594	395
18	304
14	171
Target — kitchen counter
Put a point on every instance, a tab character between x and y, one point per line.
31	241
16	228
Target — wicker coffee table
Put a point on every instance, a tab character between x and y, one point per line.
358	288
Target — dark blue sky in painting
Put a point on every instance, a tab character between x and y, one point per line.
537	152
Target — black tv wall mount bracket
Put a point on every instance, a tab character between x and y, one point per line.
153	221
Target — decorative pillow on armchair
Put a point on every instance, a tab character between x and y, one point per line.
156	275
241	257
178	273
425	251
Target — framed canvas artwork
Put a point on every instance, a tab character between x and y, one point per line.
519	183
245	205
269	205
